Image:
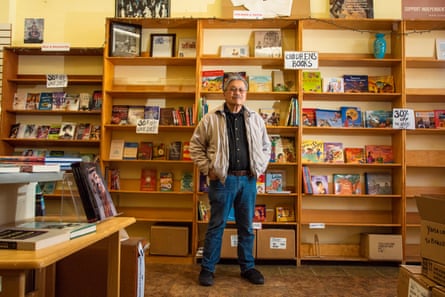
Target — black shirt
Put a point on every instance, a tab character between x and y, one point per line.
238	146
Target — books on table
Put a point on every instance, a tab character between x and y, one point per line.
74	229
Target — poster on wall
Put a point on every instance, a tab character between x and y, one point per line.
351	9
33	30
426	9
143	9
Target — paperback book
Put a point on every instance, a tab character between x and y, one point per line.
32	101
145	151
320	184
354	155
312	151
439	118
130	151
166	181
333	152
148	180
46	101
347	184
119	114
276	181
378	183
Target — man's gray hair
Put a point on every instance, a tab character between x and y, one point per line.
232	78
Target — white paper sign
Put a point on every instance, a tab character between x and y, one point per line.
56	80
277	243
317	226
300	60
403	118
147	126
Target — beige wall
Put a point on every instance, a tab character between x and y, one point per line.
82	22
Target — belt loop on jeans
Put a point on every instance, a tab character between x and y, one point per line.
239	172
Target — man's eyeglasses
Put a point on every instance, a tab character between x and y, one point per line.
241	90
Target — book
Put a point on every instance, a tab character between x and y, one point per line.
439	118
59	101
328	118
83	131
381	84
307	184
212	80
95	132
424	119
333	85
93	191
293	113
166	116
308	117
271	116
30	131
67	130
152	112
19	101
148	181
351	116
186	151
130	150
84	101
159	152
260	213
378	183
9	168
282	149
203	212
354	155
347	184
312	151
96	100
119	114
186	182
116	149
378	118
278	83
312	81
276	181
175	150
74	229
379	153
135	113
268	44
32	101
166	181
333	152
30	239
285	213
72	102
45	167
261	184
145	151
355	83
260	83
46	101
320	184
352	9
42	131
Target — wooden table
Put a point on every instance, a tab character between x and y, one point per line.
15	264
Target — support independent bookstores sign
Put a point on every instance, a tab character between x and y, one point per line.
425	9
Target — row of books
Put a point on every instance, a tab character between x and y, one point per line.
376	183
283	213
36	163
149	150
64	130
163	181
58	101
272	115
130	114
318	151
314	82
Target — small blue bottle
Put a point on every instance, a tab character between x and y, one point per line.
379	46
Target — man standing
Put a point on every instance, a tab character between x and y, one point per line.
231	146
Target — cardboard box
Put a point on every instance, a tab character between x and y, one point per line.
438	292
276	244
132	268
434	271
405	273
412	283
432	227
229	247
381	247
169	240
300	9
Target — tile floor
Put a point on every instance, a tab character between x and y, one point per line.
308	280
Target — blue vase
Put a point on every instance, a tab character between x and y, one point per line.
379	46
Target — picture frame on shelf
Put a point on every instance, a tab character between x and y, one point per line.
135	9
125	40
162	45
234	51
440	49
187	47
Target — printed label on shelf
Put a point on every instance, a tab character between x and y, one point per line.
317	226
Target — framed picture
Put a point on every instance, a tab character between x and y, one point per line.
268	44
187	47
143	9
440	49
125	40
234	51
162	45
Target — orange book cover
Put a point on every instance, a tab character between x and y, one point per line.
148	179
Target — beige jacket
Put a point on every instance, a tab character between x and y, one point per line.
209	145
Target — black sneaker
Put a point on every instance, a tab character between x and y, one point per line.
253	276
205	278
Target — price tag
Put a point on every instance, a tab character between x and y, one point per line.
56	80
300	60
403	118
147	126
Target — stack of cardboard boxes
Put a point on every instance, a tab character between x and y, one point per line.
429	278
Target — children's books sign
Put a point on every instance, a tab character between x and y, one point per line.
300	60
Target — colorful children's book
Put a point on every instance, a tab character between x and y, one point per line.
312	81
308	117
312	151
320	184
328	118
347	184
424	119
381	84
378	118
354	155
166	181
261	184
351	116
439	118
379	153
260	83
355	83
283	149
333	85
333	152
46	101
270	115
212	80
276	181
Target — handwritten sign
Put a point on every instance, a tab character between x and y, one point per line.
300	60
147	126
403	118
56	80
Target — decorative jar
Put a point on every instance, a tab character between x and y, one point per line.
379	46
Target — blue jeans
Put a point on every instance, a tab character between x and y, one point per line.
239	191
